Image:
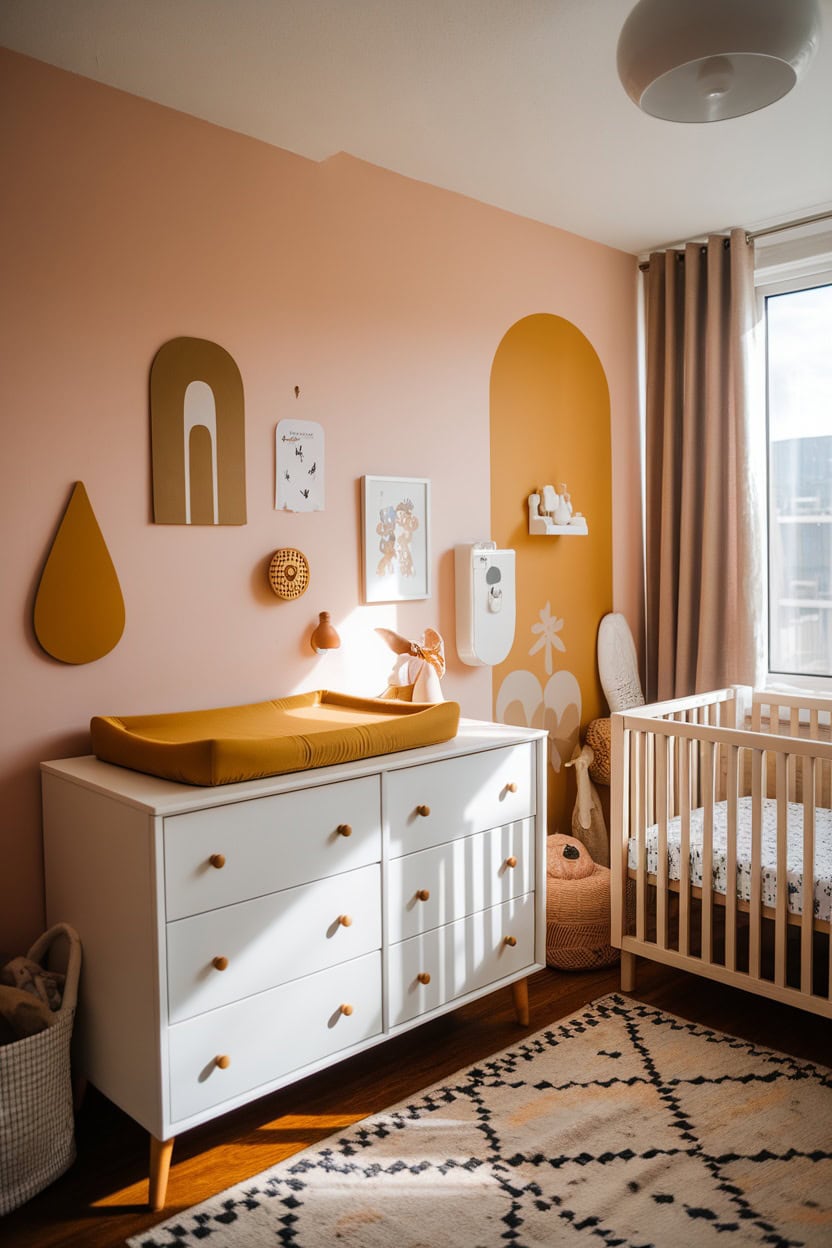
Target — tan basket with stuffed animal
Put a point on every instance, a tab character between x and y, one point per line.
577	908
37	1126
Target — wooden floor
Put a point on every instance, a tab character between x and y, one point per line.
100	1201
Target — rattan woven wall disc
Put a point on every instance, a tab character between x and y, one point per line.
289	572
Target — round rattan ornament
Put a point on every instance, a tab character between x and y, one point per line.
289	572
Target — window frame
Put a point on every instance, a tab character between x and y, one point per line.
784	279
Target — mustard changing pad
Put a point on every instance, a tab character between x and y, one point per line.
233	743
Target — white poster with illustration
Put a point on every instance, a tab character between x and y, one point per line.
395	538
299	456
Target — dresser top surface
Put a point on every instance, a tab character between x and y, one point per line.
166	797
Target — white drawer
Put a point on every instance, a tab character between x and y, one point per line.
271	940
459	958
269	843
272	1034
440	801
460	877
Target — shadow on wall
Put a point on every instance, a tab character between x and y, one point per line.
550	425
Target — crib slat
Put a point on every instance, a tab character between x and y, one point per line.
684	846
694	761
794	731
641	877
661	867
707	781
619	830
755	901
731	863
756	716
781	904
807	917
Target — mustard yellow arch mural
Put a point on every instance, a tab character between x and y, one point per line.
550	425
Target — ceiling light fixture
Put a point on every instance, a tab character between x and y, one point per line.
708	60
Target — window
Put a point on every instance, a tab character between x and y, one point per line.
799	390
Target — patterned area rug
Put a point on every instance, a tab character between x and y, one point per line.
619	1126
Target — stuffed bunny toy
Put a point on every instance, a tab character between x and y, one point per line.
418	668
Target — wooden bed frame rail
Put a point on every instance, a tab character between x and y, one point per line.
672	758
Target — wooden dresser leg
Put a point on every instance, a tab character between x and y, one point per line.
160	1154
520	992
628	972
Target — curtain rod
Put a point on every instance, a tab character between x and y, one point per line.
788	225
750	235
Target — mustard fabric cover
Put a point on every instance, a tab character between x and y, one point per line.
234	743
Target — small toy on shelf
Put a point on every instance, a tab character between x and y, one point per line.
418	668
551	513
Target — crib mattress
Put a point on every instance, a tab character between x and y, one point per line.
234	743
769	884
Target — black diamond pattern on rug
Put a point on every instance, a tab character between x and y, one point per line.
621	1126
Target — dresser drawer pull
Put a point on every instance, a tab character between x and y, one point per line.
345	920
346	1009
511	862
423	977
344	829
510	940
217	860
423	894
511	787
424	811
223	1061
219	963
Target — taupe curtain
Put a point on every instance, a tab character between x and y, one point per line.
703	547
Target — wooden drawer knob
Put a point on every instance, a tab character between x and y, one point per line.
511	787
344	829
346	1009
510	940
223	1061
511	862
423	977
217	860
423	894
424	811
219	963
345	920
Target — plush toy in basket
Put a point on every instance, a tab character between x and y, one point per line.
577	907
38	995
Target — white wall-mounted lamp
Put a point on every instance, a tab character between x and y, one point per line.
709	60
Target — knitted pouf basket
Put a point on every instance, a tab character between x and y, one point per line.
577	908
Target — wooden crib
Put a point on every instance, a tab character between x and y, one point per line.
717	801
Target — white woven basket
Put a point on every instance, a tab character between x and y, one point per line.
37	1126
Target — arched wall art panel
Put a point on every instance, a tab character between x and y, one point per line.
550	424
197	419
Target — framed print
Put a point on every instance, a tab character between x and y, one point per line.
395	528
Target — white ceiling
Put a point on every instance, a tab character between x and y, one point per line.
513	102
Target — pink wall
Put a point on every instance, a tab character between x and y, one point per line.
126	224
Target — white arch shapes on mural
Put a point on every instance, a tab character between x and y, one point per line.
522	700
200	412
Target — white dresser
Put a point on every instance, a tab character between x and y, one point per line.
238	938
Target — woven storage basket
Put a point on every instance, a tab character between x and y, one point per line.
578	921
37	1127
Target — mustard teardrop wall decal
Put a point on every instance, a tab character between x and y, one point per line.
79	608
